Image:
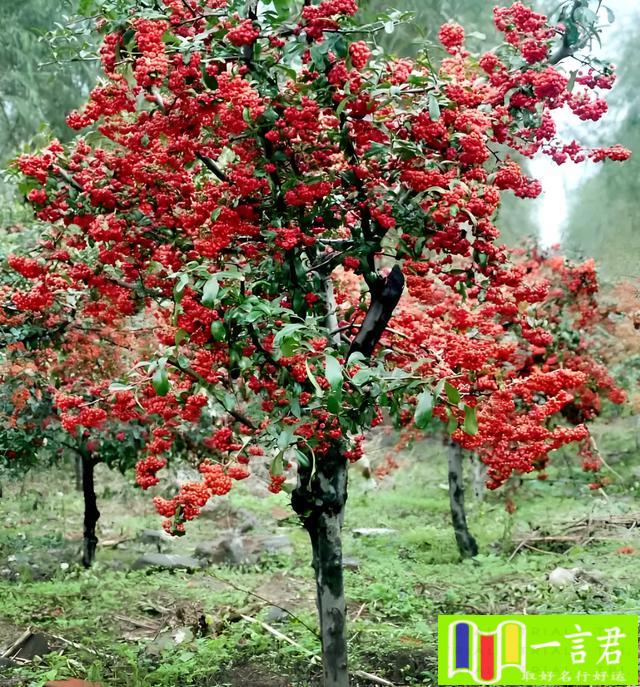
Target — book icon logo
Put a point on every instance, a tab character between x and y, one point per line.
485	655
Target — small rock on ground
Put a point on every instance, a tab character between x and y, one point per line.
167	561
36	645
373	531
236	550
275	614
349	563
153	536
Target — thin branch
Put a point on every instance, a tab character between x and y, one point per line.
249	592
69	179
332	317
189	8
370	677
345	244
328	261
134	287
258	344
212	166
346	327
278	634
236	414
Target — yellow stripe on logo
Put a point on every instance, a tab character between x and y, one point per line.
512	643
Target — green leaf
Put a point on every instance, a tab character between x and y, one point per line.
434	108
343	103
295	407
286	332
334	403
424	410
218	331
284	439
178	289
586	15
318	54
314	381
357	357
277	465
302	459
114	387
361	377
333	371
572	34
453	395
288	346
209	81
230	274
160	381
181	335
470	425
338	44
84	6
210	292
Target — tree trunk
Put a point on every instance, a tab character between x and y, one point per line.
478	479
78	471
91	512
385	295
467	545
320	500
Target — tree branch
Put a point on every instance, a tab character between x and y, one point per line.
332	317
385	295
212	166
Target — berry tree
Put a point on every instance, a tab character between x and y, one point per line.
528	360
572	315
46	372
239	154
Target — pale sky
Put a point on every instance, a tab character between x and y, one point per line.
559	181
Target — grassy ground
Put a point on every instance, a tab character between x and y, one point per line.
148	628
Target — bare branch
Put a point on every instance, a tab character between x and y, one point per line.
385	295
212	166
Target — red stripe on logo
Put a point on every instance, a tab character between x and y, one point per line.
486	657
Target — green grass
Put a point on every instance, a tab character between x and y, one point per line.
403	582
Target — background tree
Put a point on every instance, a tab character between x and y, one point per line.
35	54
42	375
603	218
537	380
27	101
